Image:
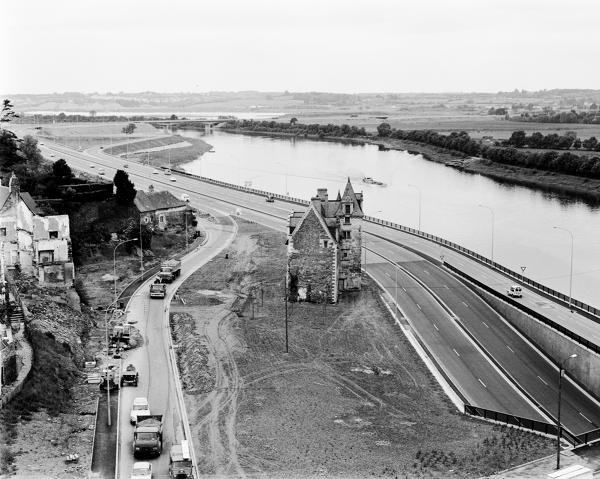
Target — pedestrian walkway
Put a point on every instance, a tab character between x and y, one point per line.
586	456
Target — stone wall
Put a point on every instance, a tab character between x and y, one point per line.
350	265
310	263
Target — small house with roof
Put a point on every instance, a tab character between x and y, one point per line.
160	209
324	247
35	244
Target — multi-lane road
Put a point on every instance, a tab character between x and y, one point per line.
480	380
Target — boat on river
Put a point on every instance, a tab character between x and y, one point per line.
370	181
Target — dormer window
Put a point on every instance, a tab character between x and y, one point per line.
348	209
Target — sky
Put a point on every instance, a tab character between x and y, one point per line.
310	45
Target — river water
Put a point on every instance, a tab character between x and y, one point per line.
523	218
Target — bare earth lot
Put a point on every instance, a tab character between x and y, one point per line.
351	399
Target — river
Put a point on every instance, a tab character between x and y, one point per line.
521	219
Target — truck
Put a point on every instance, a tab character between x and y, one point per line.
169	270
109	378
130	376
158	290
148	436
180	461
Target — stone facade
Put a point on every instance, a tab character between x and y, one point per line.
324	247
161	209
37	245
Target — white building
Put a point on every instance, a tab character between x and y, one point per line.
37	245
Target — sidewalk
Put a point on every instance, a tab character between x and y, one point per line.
586	456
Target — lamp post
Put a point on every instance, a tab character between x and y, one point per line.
571	267
107	368
493	220
115	263
419	190
561	367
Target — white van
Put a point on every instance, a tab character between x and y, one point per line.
185	197
515	291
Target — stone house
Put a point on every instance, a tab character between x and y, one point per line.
160	209
324	246
36	244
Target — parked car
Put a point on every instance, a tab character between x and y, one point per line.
141	470
185	197
515	291
139	409
101	171
125	165
270	199
130	376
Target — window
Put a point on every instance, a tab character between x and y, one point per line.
324	243
53	234
161	219
2	231
348	209
46	256
146	219
346	220
345	255
345	234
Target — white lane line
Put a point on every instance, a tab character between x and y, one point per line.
456	352
418	306
404	289
485	325
388	274
482	383
446	286
585	418
510	349
427	272
435	326
465	304
545	383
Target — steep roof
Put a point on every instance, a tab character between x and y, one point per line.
30	203
158	200
313	210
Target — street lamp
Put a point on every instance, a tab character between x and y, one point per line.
115	262
571	267
561	367
419	190
493	220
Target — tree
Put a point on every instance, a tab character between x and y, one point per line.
9	143
293	121
125	189
129	129
93	114
173	117
29	149
61	169
384	129
517	139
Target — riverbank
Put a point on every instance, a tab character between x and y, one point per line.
579	187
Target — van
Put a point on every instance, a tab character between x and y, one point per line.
515	291
185	197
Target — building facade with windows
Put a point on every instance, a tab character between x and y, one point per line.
160	209
31	242
324	247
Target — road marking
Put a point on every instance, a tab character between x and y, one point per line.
426	271
545	383
436	328
388	274
482	383
465	304
585	418
485	325
419	306
404	289
456	352
511	349
446	286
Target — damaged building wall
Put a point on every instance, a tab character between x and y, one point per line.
312	259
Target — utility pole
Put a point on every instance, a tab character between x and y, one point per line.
286	317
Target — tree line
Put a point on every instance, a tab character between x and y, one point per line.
520	139
293	127
551	116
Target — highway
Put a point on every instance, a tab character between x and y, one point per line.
477	378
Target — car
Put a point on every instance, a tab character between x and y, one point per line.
141	470
125	165
155	172
167	172
92	165
139	408
515	291
270	199
41	144
185	197
172	178
51	156
101	171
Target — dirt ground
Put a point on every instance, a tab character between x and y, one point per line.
350	399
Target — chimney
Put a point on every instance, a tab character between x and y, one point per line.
13	185
151	189
316	202
322	194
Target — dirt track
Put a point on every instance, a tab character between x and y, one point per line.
351	399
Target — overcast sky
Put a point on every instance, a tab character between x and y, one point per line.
275	45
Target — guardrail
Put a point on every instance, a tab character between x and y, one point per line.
543	319
580	305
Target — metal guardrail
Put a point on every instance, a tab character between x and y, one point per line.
591	310
540	317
